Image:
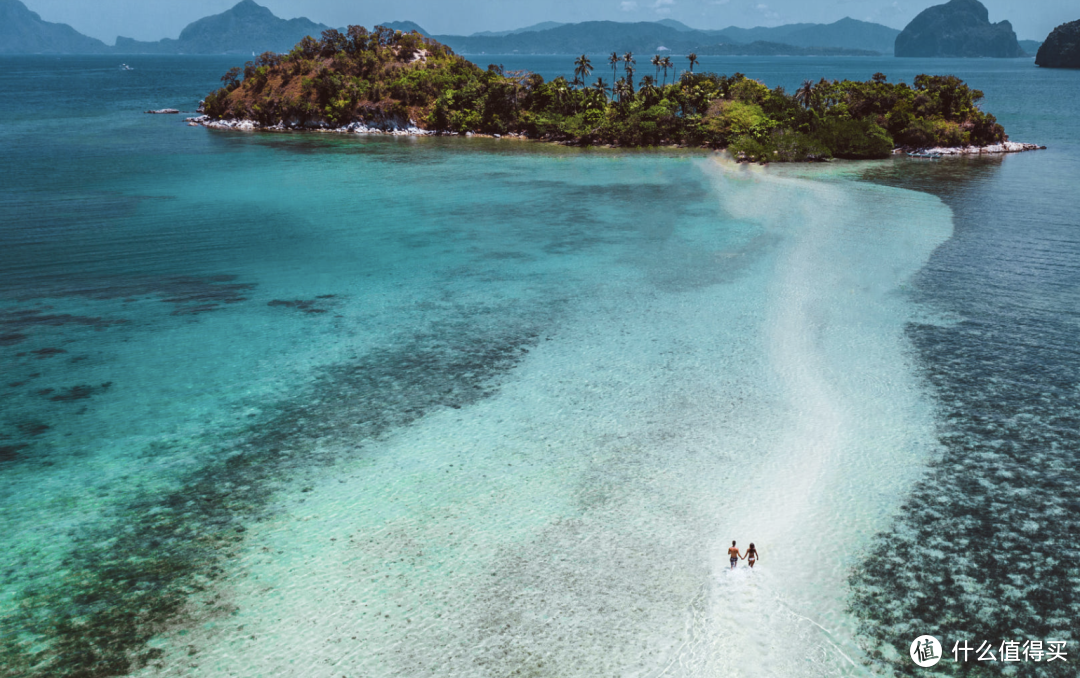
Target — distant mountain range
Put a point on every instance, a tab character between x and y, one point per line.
542	26
1030	46
23	32
249	27
404	27
846	36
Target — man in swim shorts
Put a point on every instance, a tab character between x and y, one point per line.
734	554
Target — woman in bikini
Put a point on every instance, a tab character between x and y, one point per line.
751	554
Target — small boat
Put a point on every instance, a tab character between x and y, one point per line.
924	154
125	67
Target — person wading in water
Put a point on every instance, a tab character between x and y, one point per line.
734	554
752	554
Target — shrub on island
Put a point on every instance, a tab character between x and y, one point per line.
386	75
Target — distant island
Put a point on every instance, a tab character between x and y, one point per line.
24	32
846	37
959	28
249	27
1030	46
1062	47
361	81
245	29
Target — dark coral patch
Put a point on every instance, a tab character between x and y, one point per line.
16	325
11	452
32	428
190	294
195	310
31	317
291	304
80	392
304	305
11	338
47	352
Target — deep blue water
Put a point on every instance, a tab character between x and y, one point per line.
207	339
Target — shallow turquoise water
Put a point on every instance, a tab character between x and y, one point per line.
312	405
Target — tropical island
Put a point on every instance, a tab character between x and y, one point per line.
387	80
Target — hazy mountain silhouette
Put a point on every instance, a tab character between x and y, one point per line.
542	26
23	32
598	37
405	27
247	27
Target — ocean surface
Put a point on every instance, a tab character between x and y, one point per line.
313	405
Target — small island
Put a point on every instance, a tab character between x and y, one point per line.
404	83
1061	48
959	28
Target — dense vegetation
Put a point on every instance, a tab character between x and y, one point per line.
385	74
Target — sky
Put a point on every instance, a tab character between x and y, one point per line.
156	19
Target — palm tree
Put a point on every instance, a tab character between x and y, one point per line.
614	60
655	61
582	68
692	58
665	64
628	61
648	85
823	98
623	89
601	87
805	93
560	91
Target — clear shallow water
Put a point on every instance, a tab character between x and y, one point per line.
448	407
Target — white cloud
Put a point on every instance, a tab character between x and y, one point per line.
663	6
767	12
628	5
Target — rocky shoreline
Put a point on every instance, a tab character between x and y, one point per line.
385	127
991	149
393	127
